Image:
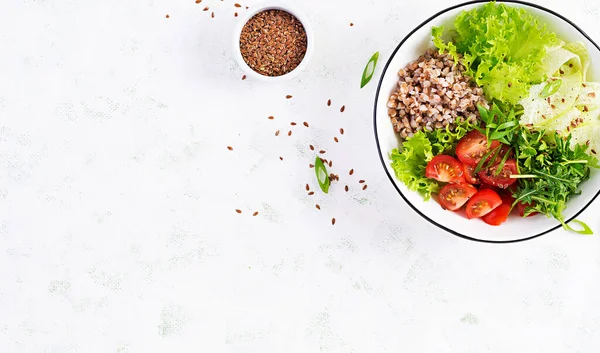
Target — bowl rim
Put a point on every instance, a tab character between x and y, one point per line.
378	145
265	5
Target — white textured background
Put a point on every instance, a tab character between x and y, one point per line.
117	196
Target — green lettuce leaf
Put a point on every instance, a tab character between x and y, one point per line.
503	49
409	162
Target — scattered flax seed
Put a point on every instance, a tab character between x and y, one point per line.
311	165
205	9
230	148
288	97
305	124
271	117
552	106
293	123
290	133
322	151
243	77
591	94
585	108
167	16
277	133
351	24
235	14
307	187
238	211
212	15
330	164
198	1
329	102
361	181
346	188
311	193
312	148
280	158
365	187
237	5
342	131
342	108
336	139
351	171
247	7
318	207
255	214
333	221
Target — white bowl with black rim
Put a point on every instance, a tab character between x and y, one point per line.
273	5
515	228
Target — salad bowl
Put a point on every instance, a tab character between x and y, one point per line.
515	228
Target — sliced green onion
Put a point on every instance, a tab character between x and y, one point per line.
508	124
585	231
551	88
494	157
502	162
483	159
369	70
483	113
322	176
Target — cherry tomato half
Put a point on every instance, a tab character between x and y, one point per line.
502	180
471	148
453	196
482	203
445	169
469	173
498	215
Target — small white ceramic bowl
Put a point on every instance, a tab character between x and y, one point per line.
515	228
273	5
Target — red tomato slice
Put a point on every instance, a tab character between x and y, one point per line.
445	169
482	203
471	148
498	215
522	207
453	196
470	176
502	180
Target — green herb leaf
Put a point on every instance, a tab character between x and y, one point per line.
558	168
369	70
551	88
322	176
585	231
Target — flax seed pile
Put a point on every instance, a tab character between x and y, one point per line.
433	93
273	42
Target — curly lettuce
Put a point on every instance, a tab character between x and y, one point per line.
502	47
409	162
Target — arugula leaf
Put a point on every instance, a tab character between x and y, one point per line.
551	170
